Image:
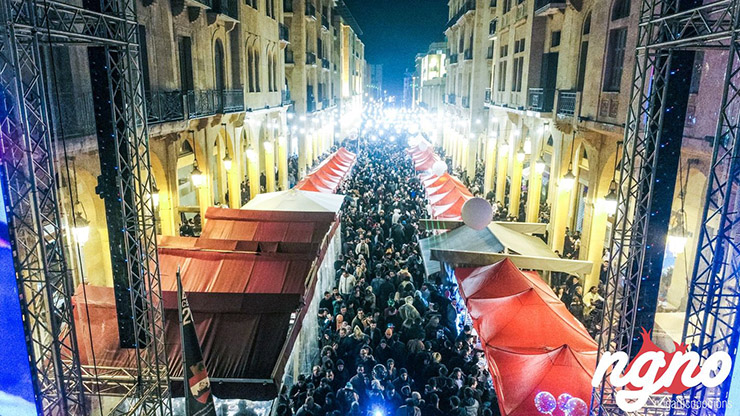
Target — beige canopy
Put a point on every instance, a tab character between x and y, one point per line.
297	201
498	241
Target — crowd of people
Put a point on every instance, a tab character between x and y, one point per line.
391	342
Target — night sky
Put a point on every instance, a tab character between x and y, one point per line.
394	31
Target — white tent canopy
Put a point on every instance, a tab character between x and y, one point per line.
466	246
296	200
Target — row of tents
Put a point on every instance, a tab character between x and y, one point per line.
446	194
329	174
532	343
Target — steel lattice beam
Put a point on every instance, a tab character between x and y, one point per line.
34	217
714	301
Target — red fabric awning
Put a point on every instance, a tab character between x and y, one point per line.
519	374
242	336
436	181
532	341
449	198
244	280
426	163
448	186
328	175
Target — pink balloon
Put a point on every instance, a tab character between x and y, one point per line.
545	402
576	407
563	400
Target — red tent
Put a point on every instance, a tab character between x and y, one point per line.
329	174
449	198
446	187
436	181
452	211
519	374
426	163
498	322
499	280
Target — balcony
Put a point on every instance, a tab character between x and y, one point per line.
468	6
548	7
492	29
284	33
453	58
466	102
204	103
227	10
310	58
232	101
310	10
74	115
288	6
164	106
541	99
324	22
567	103
325	63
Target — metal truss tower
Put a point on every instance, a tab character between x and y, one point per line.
668	28
28	171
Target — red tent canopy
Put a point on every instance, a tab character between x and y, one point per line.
519	374
446	187
451	211
499	280
436	181
448	198
329	174
418	154
426	163
498	321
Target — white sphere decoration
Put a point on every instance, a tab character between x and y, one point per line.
439	167
413	141
477	213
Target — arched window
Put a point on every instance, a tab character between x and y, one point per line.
257	81
186	148
620	9
219	65
587	24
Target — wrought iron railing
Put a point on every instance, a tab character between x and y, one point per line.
74	114
492	27
469	5
567	103
226	7
542	5
163	106
232	101
541	99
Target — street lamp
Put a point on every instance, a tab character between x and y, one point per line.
520	154
196	176
677	239
227	161
81	230
155	195
539	165
610	200
568	180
